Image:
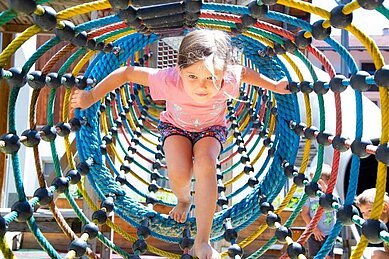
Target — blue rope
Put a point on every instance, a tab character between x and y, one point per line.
225	8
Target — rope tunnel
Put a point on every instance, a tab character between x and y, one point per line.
118	150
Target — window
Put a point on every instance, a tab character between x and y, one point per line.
48	168
370	68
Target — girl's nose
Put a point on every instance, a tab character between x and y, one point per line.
203	85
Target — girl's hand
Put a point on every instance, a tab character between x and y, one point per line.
281	86
319	236
82	99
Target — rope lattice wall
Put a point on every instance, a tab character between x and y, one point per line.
120	131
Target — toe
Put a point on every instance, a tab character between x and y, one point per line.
173	215
183	218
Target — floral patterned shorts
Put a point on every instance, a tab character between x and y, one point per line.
218	132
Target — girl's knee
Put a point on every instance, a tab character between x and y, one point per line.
204	168
205	161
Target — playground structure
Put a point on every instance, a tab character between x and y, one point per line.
115	138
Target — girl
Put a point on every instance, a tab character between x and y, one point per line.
365	202
193	127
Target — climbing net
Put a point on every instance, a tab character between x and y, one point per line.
116	137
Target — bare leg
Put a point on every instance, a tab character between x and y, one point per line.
205	152
178	154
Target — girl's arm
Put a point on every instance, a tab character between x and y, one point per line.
139	75
305	215
252	77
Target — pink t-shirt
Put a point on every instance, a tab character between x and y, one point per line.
181	110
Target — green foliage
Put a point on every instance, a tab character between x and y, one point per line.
292	204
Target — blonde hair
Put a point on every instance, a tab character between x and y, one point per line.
368	196
211	46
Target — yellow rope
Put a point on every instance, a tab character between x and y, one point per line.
381	174
104	124
350	7
16	43
294	66
136	55
34	29
264	40
82	62
115	152
69	155
120	35
66	101
214	27
122	95
241	127
82	9
372	48
131	121
7	252
71	254
307	7
378	60
259	154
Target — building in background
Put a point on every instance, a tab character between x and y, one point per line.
360	54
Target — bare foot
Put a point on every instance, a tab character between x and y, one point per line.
180	212
205	251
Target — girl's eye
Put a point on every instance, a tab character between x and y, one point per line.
213	78
192	76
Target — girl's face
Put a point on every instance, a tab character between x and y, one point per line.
322	182
366	210
199	83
